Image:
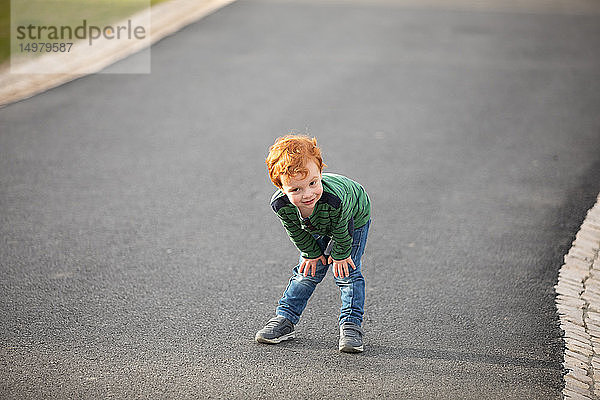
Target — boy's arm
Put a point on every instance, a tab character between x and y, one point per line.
342	235
304	241
340	258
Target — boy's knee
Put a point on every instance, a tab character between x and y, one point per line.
309	279
355	276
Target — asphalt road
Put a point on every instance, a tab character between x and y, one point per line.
139	254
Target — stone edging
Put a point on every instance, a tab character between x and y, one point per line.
578	304
166	19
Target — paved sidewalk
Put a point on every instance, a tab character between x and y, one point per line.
166	19
578	303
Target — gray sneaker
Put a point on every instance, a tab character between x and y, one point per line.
351	338
277	330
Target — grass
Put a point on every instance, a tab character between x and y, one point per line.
102	12
4	30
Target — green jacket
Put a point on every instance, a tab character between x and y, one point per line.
343	206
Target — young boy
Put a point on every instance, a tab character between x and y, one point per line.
327	217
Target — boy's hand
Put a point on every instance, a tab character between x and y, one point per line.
311	264
340	267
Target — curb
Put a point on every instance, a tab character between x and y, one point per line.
578	305
166	19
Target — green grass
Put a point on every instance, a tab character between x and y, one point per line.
77	10
4	30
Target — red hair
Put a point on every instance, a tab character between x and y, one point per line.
290	154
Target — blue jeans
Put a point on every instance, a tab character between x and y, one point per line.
352	288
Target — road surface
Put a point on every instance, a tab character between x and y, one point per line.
139	253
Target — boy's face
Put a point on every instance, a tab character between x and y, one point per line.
304	193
